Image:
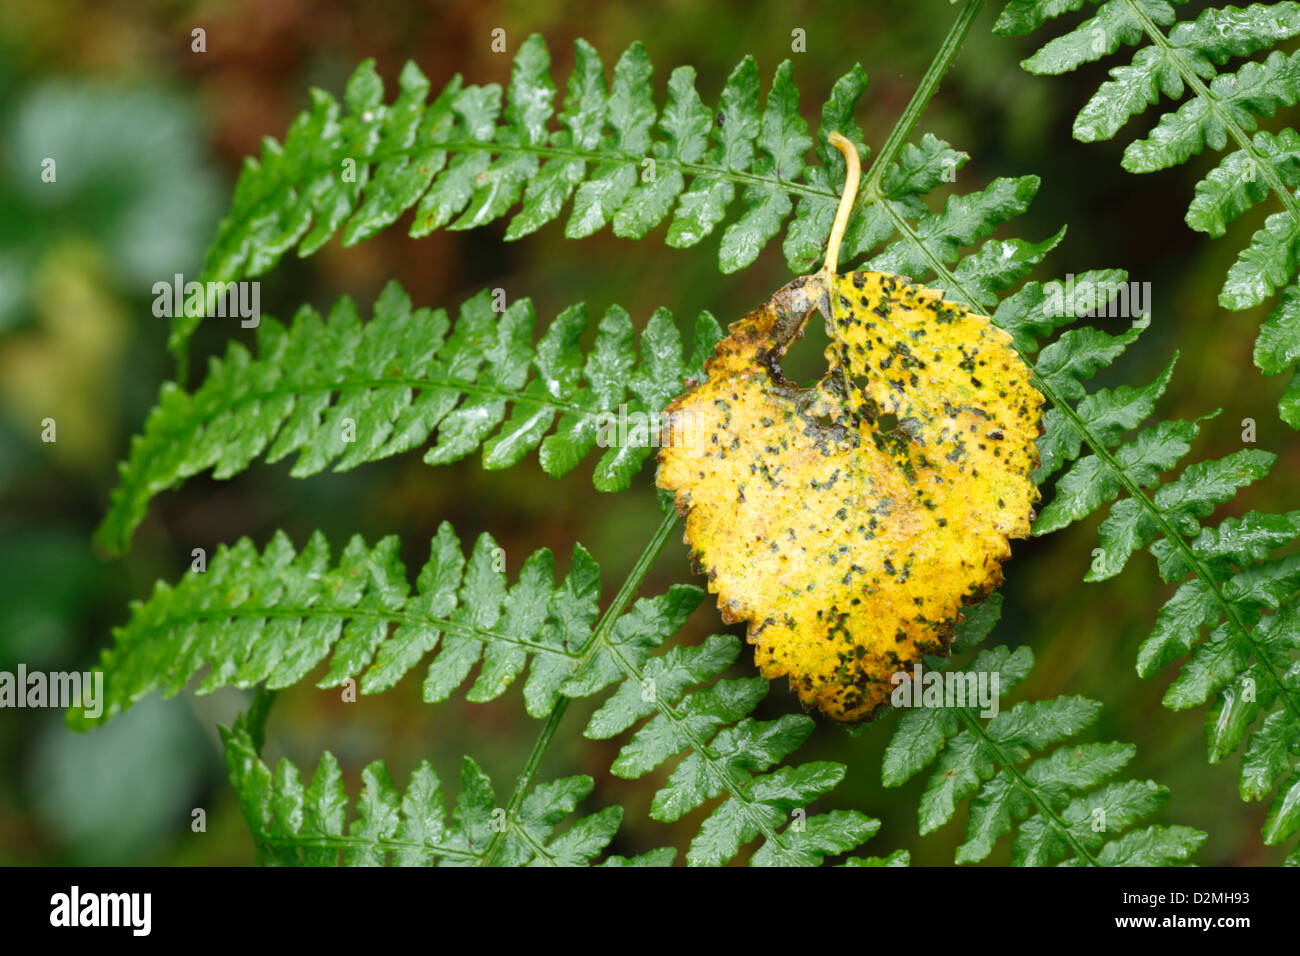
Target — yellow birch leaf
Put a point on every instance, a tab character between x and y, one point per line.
849	522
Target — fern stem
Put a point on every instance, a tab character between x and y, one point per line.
929	85
1009	766
541	851
258	711
599	638
566	154
700	746
1131	485
613	157
1177	540
697	744
393	381
365	843
1198	87
629	587
526	776
366	614
398	381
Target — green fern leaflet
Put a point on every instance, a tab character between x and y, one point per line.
1222	110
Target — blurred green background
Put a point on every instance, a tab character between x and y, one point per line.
149	137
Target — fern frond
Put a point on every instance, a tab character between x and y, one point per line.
297	825
1063	807
964	221
340	392
1120	462
729	754
1229	579
612	156
271	617
1221	107
403	376
1255	668
268	619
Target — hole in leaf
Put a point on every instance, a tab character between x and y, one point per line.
805	362
887	422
